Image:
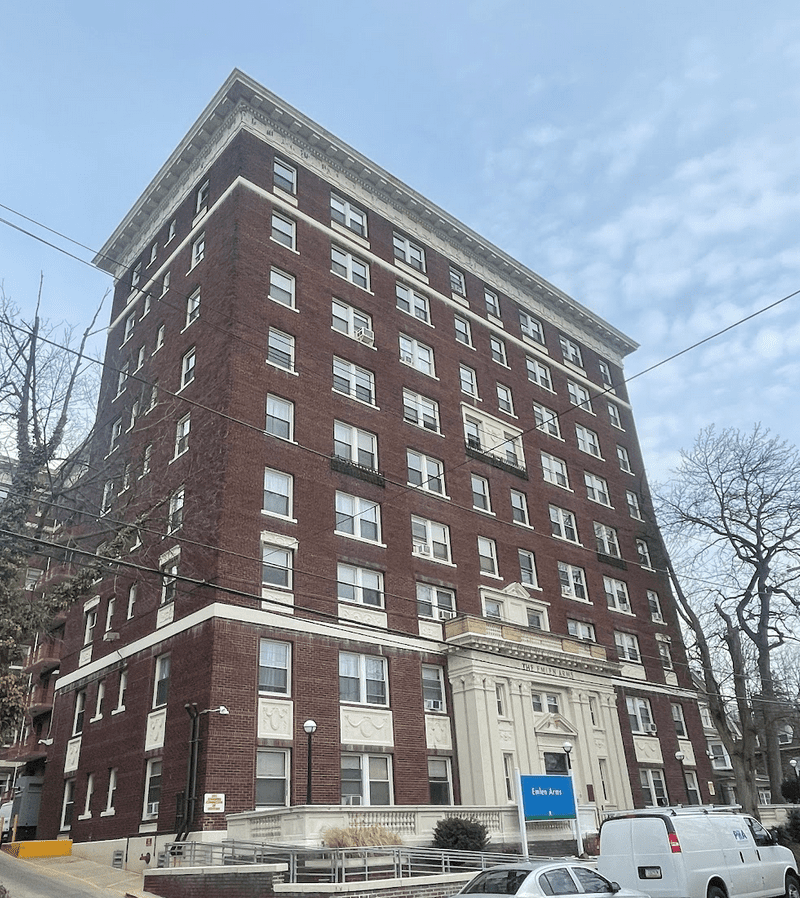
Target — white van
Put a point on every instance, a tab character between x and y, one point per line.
695	853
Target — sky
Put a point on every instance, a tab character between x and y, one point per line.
644	158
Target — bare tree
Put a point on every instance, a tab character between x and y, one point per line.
733	512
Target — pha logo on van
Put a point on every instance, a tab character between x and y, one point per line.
740	835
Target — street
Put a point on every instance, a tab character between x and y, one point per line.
24	879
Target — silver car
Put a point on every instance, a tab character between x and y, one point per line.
543	878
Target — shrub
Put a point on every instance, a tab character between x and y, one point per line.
460	834
358	836
792	825
790	789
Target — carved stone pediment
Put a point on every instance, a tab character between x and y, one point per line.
555	725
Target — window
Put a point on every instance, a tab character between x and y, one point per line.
463	330
654	792
519	508
412	303
617	594
643	551
140	357
169	581
153	253
350	267
432	688
284	175
409	252
571	351
67	805
556	764
362	679
420	410
439	786
573	582
281	287
613	415
539	373
435	601
188	367
153	401
351	321
492	303
148	451
416	354
627	647
277	493
89	623
101	694
344	213
531	327
425	472
280	349
581	630
201	201
606	539
554	470
274	666
108	497
587	440
358	517
152	789
355	445
605	373
276	566
175	519
624	459
136	275
562	524
527	568
508	774
720	759
535	618
430	539
548	700
487	556
596	489
280	417
546	420
457	282
693	796
122	378
498	350
654	604
131	600
135	413
579	396
159	337
116	433
79	713
112	788
198	250
469	380
493	609
171	230
640	717
181	436
161	687
283	230
272	778
505	401
664	654
480	493
353	381
366	779
360	585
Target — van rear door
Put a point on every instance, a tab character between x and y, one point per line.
636	853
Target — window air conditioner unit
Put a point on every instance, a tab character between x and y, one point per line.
474	442
152	808
445	614
422	549
407	358
651	728
351	799
365	335
433	704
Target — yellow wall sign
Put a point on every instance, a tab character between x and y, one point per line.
214	803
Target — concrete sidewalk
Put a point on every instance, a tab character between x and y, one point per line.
116	882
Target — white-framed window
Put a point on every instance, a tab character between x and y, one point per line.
588	440
152	789
171	230
493	609
284	175
182	429
435	602
277	565
284	230
201	198
169	580
540	701
278	490
112	788
67	805
135	411
153	253
188	367
146	455
546	420
643	551
693	789
425	472
159	337
606	539
140	356
354	381
199	249
640	716
581	629
570	351
627	647
654	604
614	417
280	417
492	303
122	378
116	433
596	489
351	321
527	568
362	679
531	327
634	510
356	516
498	350
175	519
108	497
136	275
617	594
272	778
430	539
360	585
473	433
536	618
605	373
89	623
274	667
505	400
519	508
463	330
161	681
468	379
573	581
480	493
345	213
281	287
280	349
409	252
366	779
579	395
720	759
132	590
457	284
87	804
624	459
350	267
664	654
153	400
539	373
416	354
192	308
420	410
79	713
487	556
554	470
412	303
654	790
355	445
433	688
440	786
562	524
500	699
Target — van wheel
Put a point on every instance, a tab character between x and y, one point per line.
792	886
717	892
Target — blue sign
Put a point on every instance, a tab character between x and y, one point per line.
548	798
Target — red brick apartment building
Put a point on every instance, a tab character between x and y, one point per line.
392	485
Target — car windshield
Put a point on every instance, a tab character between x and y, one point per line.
498	882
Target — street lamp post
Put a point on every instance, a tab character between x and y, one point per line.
793	765
567	746
310	726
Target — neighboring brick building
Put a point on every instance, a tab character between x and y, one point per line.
394	487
